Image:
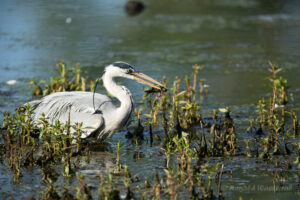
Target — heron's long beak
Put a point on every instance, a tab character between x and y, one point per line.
142	78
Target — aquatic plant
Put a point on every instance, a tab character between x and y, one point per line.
68	80
273	121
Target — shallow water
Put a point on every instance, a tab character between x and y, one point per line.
233	40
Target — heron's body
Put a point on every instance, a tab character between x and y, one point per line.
100	118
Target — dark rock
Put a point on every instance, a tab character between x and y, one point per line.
133	8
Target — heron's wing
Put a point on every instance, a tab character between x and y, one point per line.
77	105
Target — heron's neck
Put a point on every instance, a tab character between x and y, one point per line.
122	94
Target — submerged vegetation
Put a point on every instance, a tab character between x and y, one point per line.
188	142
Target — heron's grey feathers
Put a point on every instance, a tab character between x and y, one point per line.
106	118
77	105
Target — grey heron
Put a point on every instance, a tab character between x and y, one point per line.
98	114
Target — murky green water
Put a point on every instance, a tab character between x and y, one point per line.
233	40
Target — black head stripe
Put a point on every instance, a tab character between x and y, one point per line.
123	65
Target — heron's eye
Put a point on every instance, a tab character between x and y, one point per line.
129	71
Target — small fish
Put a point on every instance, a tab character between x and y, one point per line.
155	90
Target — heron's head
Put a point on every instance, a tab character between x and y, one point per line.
122	69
